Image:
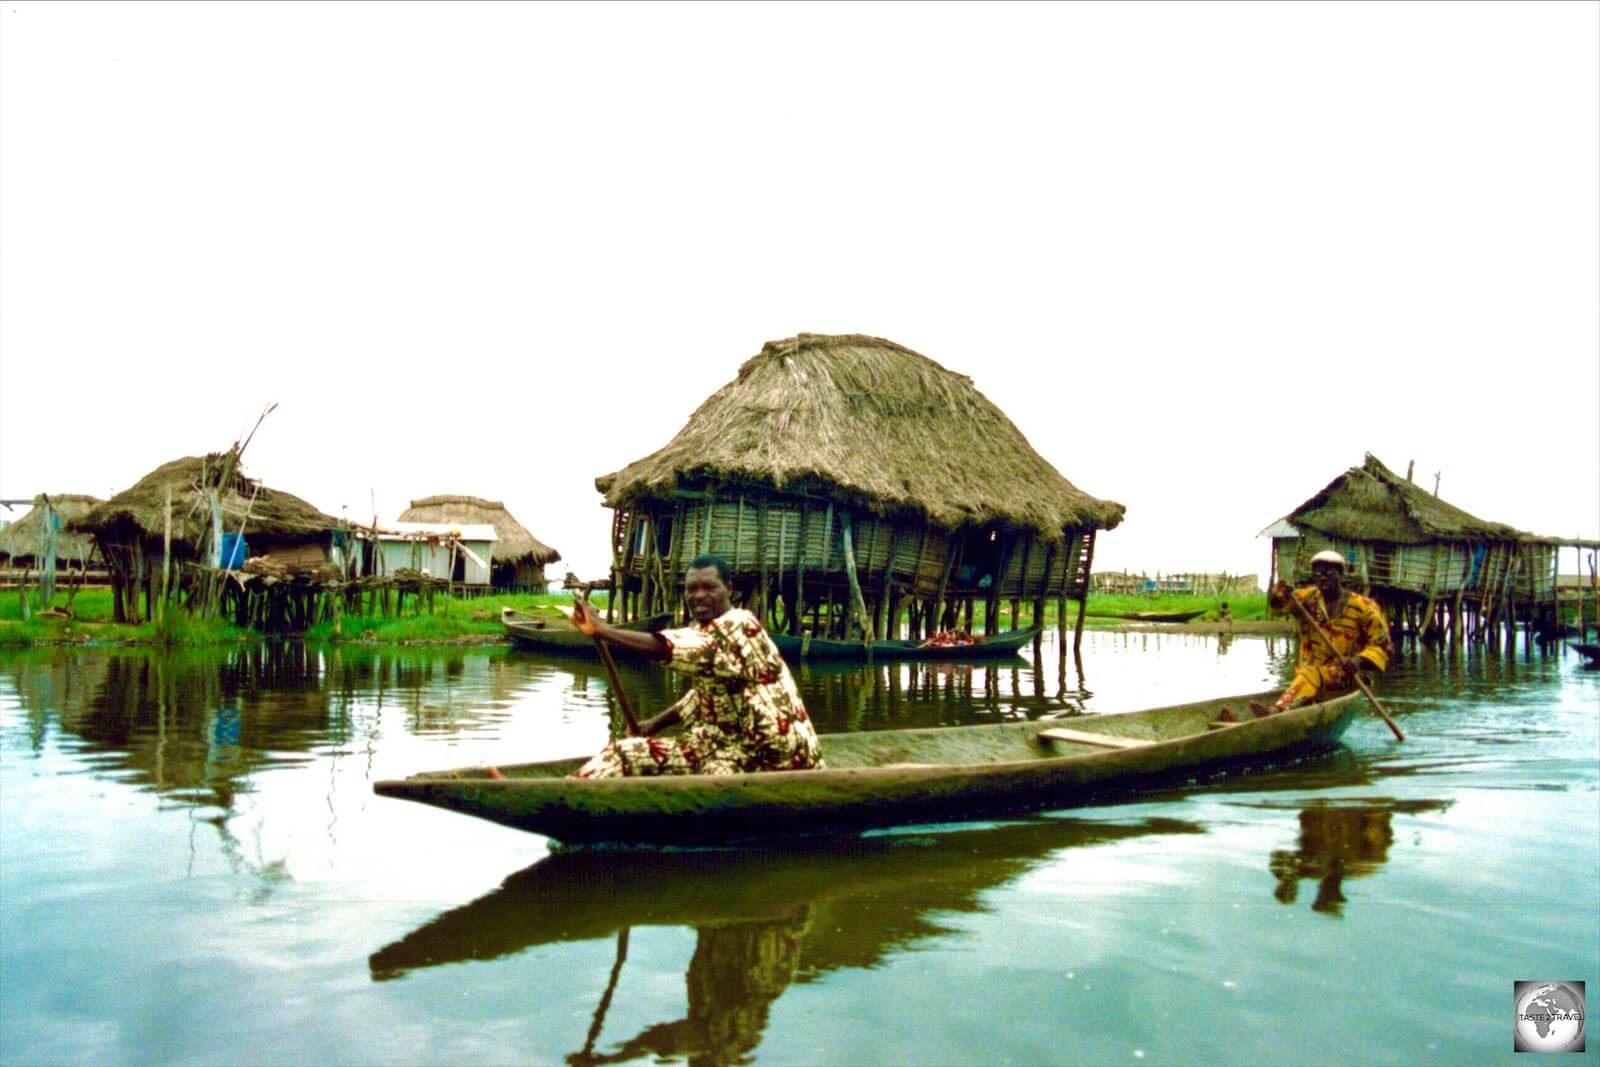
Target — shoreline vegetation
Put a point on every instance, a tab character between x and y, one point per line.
86	619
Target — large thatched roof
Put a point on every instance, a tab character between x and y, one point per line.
1372	503
513	540
273	513
872	423
25	537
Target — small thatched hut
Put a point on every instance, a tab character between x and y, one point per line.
519	557
25	542
849	479
209	497
1410	550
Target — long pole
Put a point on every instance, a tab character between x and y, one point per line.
611	674
1376	705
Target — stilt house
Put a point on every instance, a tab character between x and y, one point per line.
41	532
1412	551
191	504
519	557
856	487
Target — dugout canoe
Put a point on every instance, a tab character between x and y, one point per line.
557	634
994	646
886	777
1149	616
1588	652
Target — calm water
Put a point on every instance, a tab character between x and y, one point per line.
194	869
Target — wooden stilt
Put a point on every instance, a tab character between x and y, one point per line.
850	575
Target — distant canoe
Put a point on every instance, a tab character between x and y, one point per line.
995	646
885	777
556	634
1149	616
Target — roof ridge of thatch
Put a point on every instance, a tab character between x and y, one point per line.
513	542
1349	507
872	422
456	498
272	512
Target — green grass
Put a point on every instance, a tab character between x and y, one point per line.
1249	607
92	622
460	619
467	619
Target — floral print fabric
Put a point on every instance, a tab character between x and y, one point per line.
742	712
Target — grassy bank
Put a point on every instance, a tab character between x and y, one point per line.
458	620
453	621
1251	607
462	620
90	622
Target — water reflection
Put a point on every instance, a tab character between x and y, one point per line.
764	918
1338	842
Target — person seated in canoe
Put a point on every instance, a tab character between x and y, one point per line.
742	712
1357	635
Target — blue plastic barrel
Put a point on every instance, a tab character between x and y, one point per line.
234	551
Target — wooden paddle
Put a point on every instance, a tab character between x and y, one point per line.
1317	628
611	670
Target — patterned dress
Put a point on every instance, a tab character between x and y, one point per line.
742	711
1360	630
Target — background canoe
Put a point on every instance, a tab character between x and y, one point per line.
1589	652
557	634
995	646
884	777
1149	616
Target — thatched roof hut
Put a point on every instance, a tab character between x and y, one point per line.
519	557
1412	550
273	515
866	422
853	461
130	528
24	539
1372	503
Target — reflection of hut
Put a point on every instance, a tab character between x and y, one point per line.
850	482
519	557
1412	551
26	542
210	498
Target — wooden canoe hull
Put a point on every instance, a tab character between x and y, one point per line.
560	636
1149	616
1588	652
995	646
881	778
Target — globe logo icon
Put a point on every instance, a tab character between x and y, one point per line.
1550	1017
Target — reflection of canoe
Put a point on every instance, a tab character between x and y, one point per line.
1149	616
882	892
556	634
1589	652
994	646
884	777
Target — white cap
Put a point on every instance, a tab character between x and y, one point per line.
1328	555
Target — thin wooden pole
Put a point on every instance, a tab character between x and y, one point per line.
856	599
1083	598
798	620
166	553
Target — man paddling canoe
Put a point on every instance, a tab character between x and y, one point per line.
742	711
1354	636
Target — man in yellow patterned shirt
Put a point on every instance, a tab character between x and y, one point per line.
1354	634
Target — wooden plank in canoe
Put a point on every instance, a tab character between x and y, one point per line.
1086	737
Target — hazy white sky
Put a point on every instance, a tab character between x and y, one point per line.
1204	255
